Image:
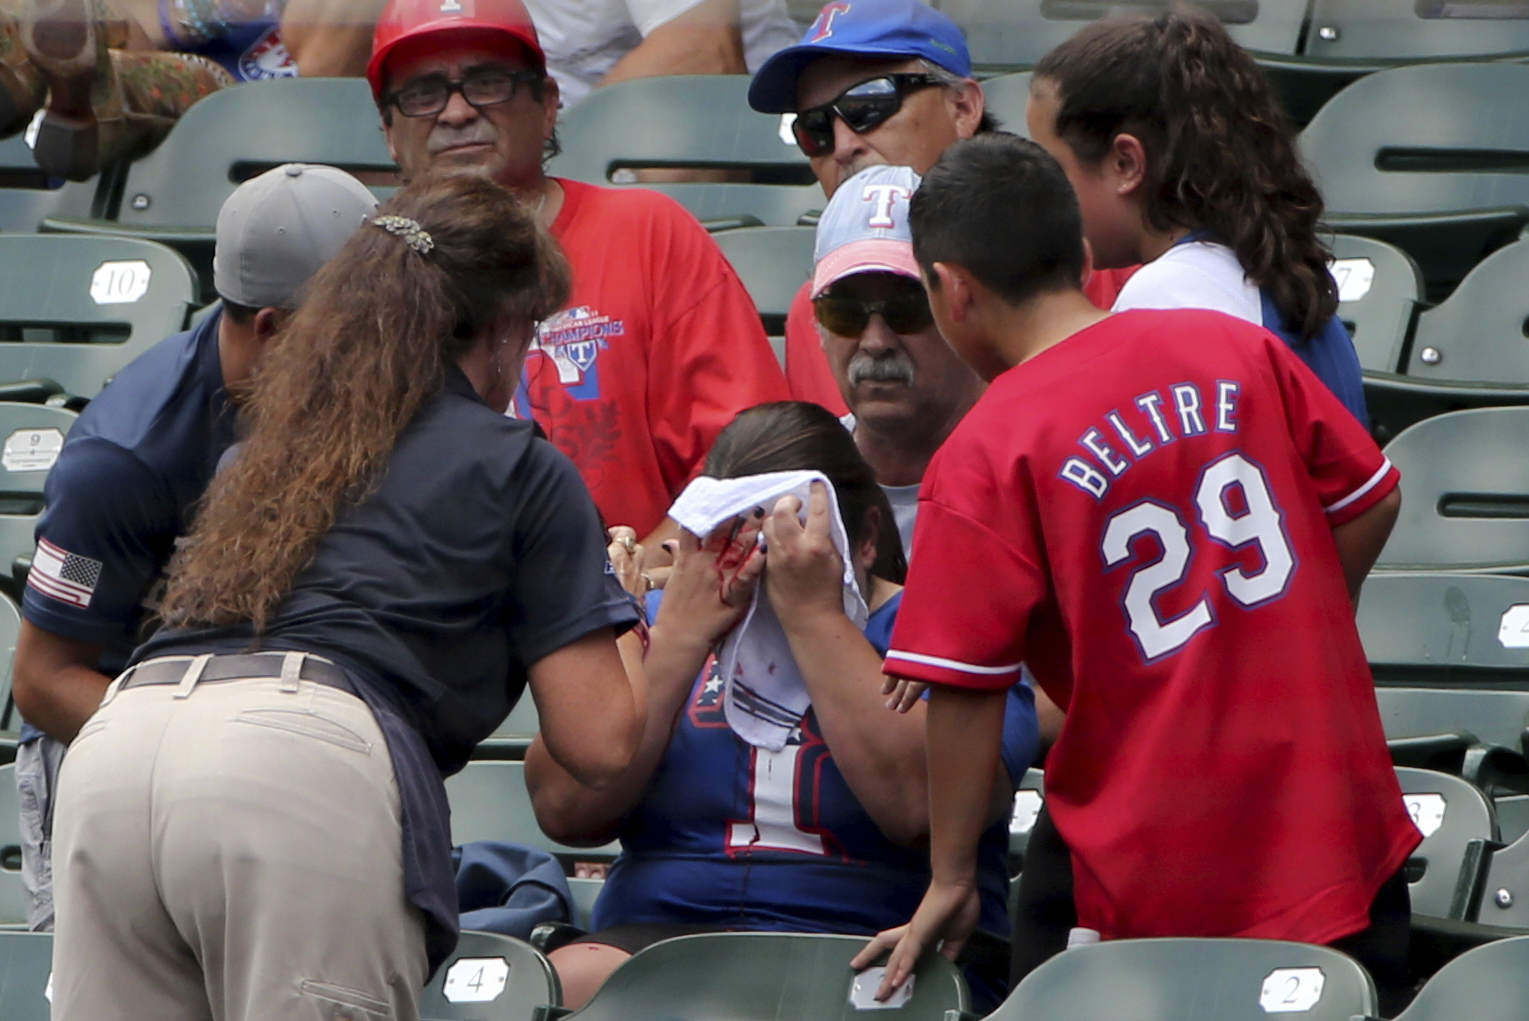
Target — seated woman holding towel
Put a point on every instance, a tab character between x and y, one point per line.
825	835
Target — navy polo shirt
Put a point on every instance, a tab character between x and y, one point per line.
478	553
125	488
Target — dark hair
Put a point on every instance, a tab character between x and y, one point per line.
241	314
370	344
1220	153
1002	207
800	436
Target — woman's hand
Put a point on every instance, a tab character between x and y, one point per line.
627	557
711	583
904	694
947	912
806	573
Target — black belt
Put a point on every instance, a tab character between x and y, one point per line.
172	670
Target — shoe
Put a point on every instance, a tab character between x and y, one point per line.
22	87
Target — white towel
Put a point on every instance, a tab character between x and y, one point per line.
765	696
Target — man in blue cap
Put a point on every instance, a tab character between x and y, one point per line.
872	82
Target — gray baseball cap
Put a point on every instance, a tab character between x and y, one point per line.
276	230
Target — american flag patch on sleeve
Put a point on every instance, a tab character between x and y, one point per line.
67	577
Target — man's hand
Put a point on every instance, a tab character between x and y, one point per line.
947	912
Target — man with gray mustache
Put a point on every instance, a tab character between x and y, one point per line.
904	386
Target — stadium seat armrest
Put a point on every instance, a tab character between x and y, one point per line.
961	1015
546	1012
549	936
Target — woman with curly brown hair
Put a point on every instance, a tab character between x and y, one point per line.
253	824
1183	159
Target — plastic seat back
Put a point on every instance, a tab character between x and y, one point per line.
1465	492
26	965
773	263
764	976
1442	721
491	978
76	310
489	801
237	133
1477	335
1006	97
1429	157
1379	287
1414	29
1441	628
691	122
12	895
1456	820
1029	797
1018	33
10	628
31	436
1488	983
1192	980
26	193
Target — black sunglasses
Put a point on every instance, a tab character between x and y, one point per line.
429	96
861	107
848	317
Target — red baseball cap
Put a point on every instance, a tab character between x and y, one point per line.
413	27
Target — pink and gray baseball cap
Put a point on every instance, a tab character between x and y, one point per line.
865	228
278	229
884	29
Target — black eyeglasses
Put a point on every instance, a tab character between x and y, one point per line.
861	107
429	96
848	317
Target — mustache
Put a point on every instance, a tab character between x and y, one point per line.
887	367
444	137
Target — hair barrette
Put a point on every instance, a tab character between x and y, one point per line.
415	236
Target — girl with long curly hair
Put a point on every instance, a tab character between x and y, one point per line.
1183	159
253	824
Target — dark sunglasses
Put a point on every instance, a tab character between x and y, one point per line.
861	107
848	317
429	96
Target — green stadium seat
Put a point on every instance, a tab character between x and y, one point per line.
512	737
1477	734
585	893
1477	336
1192	980
1459	827
773	263
489	801
1489	983
30	438
173	194
10	719
491	978
26	193
1512	816
12	896
691	122
77	310
1379	287
1006	97
1416	29
1437	628
765	976
1465	493
1406	155
26	969
1028	800
1006	34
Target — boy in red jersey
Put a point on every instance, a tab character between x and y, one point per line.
1165	515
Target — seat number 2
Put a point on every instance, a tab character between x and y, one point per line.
1257	522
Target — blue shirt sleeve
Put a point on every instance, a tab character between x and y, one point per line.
104	506
1329	354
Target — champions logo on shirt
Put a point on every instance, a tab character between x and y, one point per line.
67	577
573	339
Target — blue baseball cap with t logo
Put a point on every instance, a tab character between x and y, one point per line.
862	28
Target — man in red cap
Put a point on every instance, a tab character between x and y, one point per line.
660	345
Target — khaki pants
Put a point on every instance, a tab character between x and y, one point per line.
232	850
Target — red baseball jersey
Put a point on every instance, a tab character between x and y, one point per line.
1143	514
807	371
659	348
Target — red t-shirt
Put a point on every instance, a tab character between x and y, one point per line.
807	371
659	349
1149	508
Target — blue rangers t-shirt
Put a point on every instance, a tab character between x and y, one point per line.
124	489
251	50
740	837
